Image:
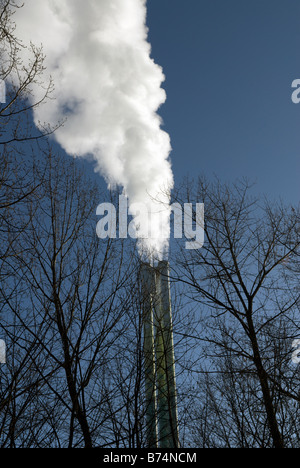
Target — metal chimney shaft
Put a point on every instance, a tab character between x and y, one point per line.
165	361
159	360
148	288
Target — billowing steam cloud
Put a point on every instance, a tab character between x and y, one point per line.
109	88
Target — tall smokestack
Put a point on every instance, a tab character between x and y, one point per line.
148	292
165	361
160	380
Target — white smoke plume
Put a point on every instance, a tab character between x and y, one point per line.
109	88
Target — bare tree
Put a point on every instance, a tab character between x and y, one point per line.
20	73
245	284
62	312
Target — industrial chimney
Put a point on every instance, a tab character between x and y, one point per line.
160	381
165	361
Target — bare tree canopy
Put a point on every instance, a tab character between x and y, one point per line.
17	79
245	282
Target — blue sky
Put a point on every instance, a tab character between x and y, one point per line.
229	67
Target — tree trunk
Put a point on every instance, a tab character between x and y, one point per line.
263	380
